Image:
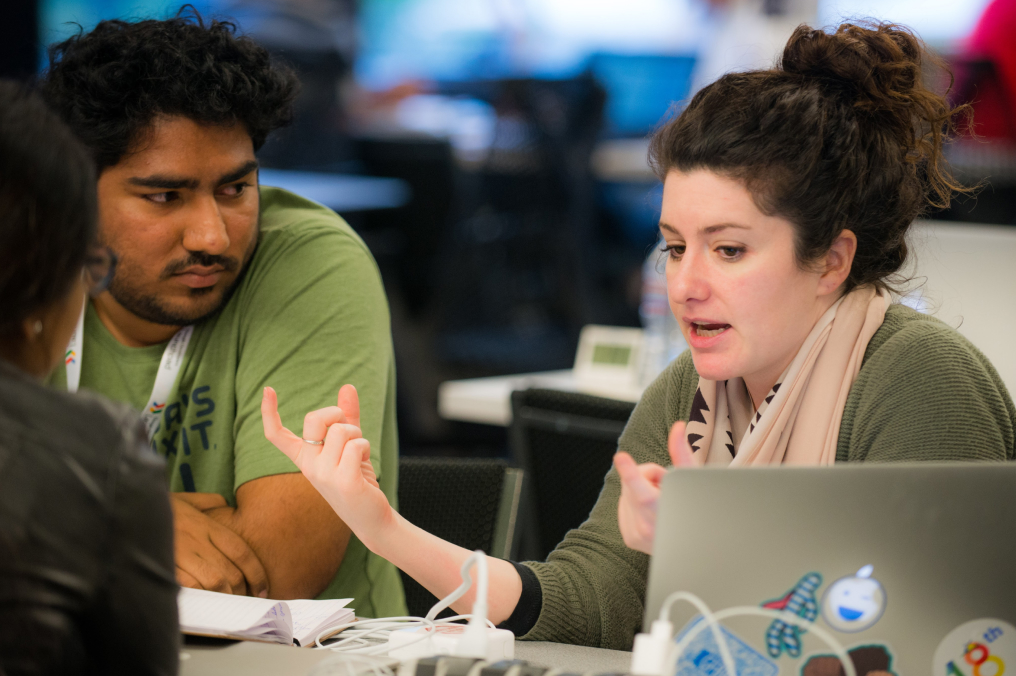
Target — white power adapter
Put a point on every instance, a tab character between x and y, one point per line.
449	639
649	654
477	639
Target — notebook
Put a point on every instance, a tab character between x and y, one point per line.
298	622
908	566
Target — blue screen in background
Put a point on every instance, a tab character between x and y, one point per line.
641	88
60	19
641	51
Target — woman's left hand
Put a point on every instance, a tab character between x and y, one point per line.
640	490
340	468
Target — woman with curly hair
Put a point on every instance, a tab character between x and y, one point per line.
787	197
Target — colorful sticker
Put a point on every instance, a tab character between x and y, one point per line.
854	603
982	647
702	656
800	601
868	660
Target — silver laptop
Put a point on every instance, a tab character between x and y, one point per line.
910	567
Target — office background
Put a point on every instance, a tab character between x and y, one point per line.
518	206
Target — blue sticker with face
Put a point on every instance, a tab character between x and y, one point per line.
702	657
854	603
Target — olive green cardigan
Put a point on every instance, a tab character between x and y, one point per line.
923	393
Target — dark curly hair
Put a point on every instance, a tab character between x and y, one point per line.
47	207
110	84
841	134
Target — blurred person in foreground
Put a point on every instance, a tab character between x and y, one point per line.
86	540
787	197
232	283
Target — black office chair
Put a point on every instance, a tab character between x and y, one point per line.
565	442
473	503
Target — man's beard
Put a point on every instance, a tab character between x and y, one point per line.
152	309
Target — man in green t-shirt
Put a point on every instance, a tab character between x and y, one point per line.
222	289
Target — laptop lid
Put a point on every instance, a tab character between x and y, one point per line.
911	567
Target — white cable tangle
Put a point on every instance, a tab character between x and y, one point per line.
709	618
682	645
367	637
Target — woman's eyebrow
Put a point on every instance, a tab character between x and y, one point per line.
723	226
708	230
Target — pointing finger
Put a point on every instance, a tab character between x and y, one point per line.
633	479
282	438
349	402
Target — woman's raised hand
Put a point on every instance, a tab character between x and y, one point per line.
340	469
640	490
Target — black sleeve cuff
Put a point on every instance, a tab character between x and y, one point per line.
527	610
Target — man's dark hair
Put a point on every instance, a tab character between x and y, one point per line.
47	206
110	84
842	134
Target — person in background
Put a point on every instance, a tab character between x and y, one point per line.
227	284
86	539
987	71
787	197
748	35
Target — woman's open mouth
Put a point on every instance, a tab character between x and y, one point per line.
708	330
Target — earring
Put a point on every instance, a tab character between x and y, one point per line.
38	326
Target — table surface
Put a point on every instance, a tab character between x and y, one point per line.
225	658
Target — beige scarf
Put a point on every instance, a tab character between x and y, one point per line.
798	423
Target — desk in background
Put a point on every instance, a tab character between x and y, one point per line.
488	400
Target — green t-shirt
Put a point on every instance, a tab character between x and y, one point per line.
308	316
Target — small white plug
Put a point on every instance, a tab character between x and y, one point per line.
650	650
473	642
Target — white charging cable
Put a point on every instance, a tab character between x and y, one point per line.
656	654
651	650
789	618
366	637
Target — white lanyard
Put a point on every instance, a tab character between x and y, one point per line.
169	369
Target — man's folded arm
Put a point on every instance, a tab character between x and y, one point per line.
298	538
328	326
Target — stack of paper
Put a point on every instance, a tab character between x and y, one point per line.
299	622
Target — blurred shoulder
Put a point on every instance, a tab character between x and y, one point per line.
83	431
920	384
921	343
287	215
303	240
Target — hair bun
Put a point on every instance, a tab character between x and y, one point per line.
880	64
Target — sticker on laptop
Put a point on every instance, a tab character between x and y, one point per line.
868	660
985	647
854	603
800	600
702	656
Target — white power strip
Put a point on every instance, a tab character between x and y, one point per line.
405	644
